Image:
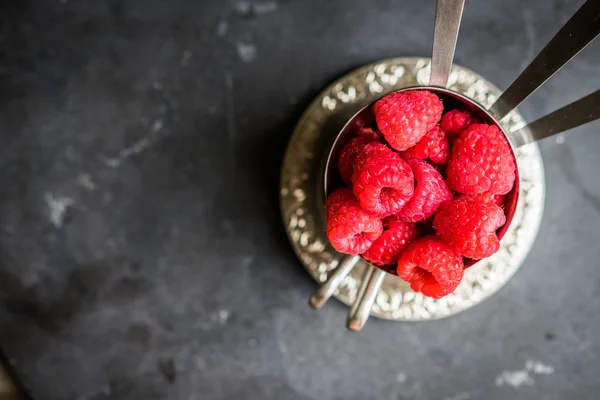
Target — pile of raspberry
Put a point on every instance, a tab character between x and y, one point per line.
423	192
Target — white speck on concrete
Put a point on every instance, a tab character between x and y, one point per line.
401	377
106	390
57	207
223	316
560	139
156	85
222	28
538	368
515	379
264	8
85	180
243	7
185	58
157	125
137	147
246	51
518	378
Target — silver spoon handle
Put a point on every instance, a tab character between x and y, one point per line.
326	290
361	308
447	23
572	115
578	32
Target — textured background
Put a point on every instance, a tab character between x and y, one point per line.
141	252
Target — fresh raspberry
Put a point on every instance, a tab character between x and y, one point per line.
433	145
396	235
481	161
405	117
382	181
468	224
431	267
349	229
455	121
348	155
430	192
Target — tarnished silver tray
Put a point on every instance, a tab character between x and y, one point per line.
302	198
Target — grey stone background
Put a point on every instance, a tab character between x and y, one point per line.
141	252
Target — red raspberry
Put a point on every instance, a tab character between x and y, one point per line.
481	161
348	155
350	151
349	229
468	224
382	181
430	192
396	235
455	121
431	267
405	117
433	145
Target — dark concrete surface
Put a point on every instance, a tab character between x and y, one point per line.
141	252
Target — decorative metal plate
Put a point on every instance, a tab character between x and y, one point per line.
302	197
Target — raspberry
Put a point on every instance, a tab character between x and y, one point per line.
350	151
348	155
433	145
481	161
455	121
349	229
405	117
382	181
430	192
396	235
468	224
431	267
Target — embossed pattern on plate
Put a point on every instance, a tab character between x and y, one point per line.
302	197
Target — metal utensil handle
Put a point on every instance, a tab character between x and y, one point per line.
361	308
578	32
572	115
447	23
326	290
